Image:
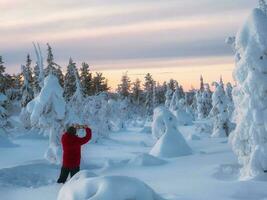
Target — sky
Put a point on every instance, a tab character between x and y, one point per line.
178	39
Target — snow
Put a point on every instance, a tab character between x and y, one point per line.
249	138
171	142
200	176
5	142
106	188
145	159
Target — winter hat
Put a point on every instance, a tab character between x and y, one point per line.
71	130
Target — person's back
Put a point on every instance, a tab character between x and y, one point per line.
71	145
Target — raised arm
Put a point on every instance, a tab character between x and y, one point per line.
85	139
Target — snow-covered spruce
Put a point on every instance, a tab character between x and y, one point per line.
204	102
170	141
249	139
219	112
106	188
47	112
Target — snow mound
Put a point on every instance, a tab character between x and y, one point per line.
30	175
145	159
107	188
171	142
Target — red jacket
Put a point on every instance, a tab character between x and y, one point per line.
72	148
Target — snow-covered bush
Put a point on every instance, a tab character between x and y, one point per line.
249	139
47	112
219	113
170	141
107	188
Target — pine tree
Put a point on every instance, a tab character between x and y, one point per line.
29	69
26	90
52	67
2	77
100	83
136	91
36	80
148	88
172	84
70	81
124	86
86	80
201	84
168	96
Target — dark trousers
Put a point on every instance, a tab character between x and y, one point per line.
65	173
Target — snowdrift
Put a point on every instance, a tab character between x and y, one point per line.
107	188
171	142
30	175
145	159
250	97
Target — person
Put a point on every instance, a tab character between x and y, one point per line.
71	145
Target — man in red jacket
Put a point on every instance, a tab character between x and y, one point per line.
71	144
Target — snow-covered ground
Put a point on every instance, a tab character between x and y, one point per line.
211	172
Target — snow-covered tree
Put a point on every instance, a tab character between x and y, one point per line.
74	108
2	77
172	84
263	6
170	141
219	113
124	86
177	95
136	91
206	100
3	111
229	96
168	96
201	88
203	102
148	89
47	112
97	113
36	80
70	81
249	139
52	67
100	83
26	90
86	79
